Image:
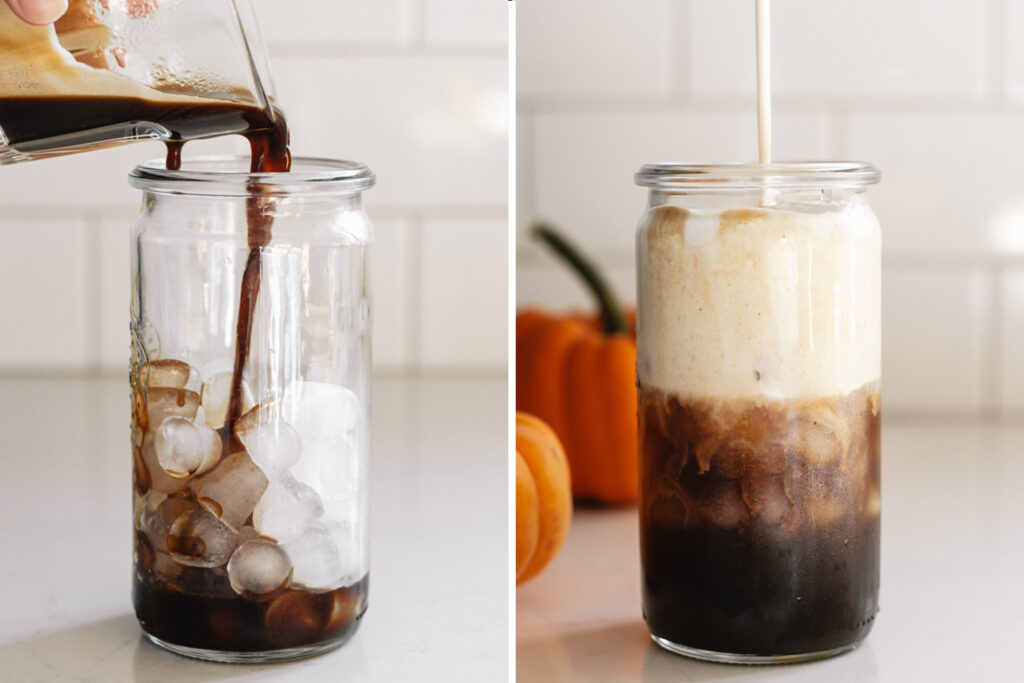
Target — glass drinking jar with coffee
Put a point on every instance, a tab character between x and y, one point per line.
758	333
251	385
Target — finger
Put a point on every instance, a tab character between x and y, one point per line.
39	12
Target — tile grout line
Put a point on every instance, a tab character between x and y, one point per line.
610	103
679	59
414	288
531	168
418	27
840	131
526	107
415	47
92	290
992	379
993	58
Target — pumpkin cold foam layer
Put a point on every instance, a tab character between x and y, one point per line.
759	302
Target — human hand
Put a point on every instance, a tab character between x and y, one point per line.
38	12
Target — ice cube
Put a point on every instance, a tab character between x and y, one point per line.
159	480
668	506
347	510
144	554
164	403
825	510
140	473
873	503
350	540
722	504
771	458
216	395
320	411
258	567
165	567
270	441
330	421
330	467
286	509
315	559
143	503
159	513
819	436
231	489
184	448
346	605
732	457
198	539
766	497
293	618
246	534
168	374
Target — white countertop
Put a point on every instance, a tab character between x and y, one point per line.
438	595
952	579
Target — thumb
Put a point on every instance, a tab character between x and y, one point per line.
39	12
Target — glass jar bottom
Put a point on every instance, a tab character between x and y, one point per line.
264	657
734	658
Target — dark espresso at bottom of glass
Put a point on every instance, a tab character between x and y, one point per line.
759	523
218	620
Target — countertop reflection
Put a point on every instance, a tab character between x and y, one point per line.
952	593
438	596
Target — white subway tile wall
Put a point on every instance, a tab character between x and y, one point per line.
416	89
841	49
579	48
460	324
339	23
47	288
930	92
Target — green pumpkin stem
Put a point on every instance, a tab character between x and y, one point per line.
611	311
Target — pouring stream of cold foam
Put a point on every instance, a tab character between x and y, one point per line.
762	11
764	84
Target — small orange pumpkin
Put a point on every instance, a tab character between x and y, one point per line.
543	496
578	374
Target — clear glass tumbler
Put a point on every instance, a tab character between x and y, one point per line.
250	376
758	363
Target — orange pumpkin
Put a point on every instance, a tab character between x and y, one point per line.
578	374
543	496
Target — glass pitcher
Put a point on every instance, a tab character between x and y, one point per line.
114	71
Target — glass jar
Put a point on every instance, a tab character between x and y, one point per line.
250	375
758	363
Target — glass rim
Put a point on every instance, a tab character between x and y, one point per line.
726	177
309	176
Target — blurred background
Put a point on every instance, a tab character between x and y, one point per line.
415	89
932	93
